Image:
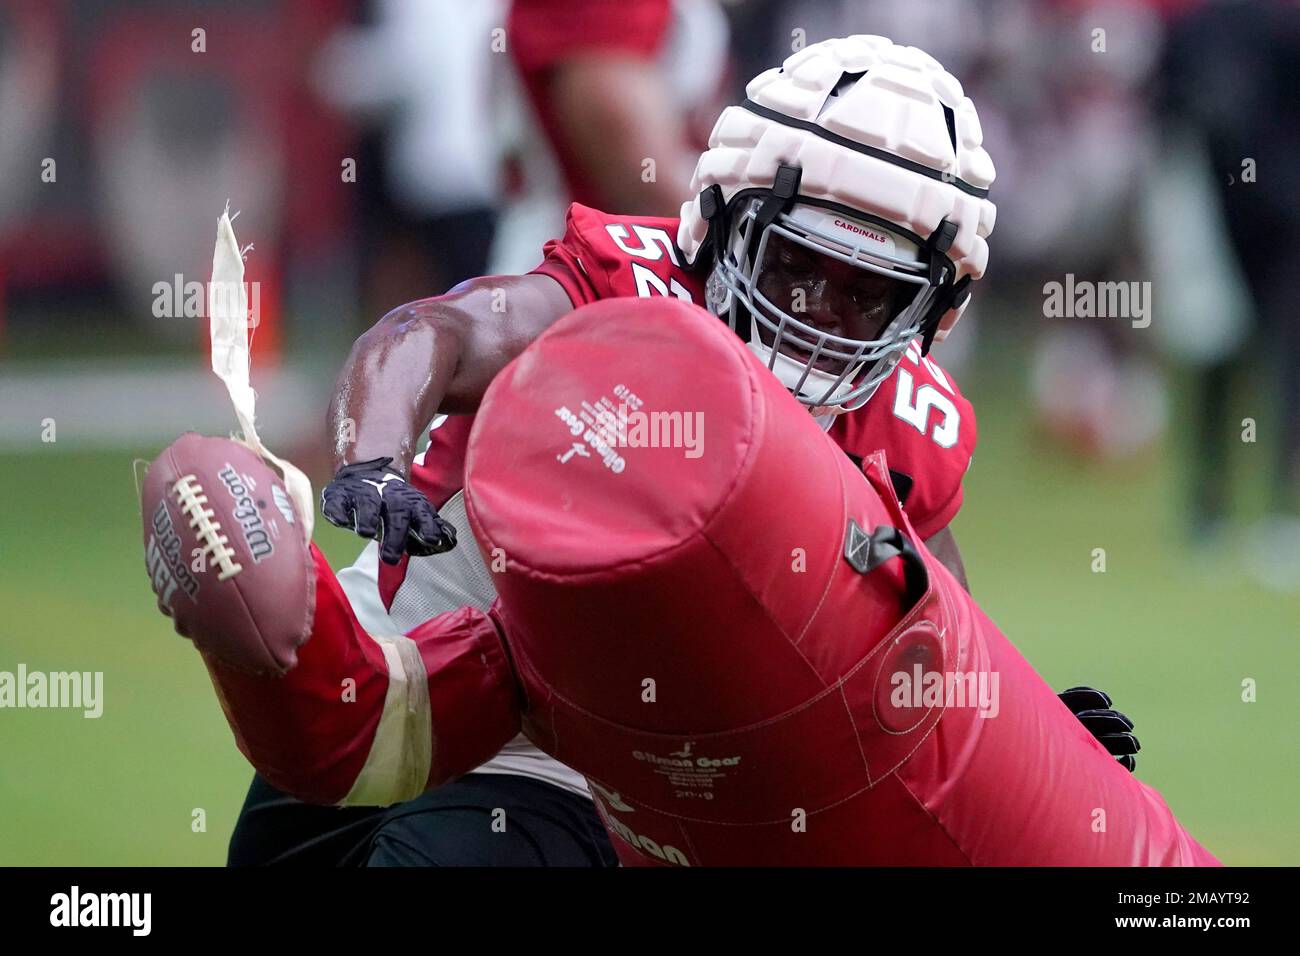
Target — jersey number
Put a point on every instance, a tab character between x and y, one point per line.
913	406
655	244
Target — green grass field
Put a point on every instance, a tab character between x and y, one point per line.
1170	633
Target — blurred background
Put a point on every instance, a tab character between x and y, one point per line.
382	151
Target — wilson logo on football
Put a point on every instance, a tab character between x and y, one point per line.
167	569
245	513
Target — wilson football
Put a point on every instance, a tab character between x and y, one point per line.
226	554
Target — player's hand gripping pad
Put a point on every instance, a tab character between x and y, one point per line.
687	603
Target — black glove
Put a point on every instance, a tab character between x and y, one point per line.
375	501
1113	729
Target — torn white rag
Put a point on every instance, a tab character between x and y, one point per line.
228	314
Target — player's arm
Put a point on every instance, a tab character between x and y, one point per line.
612	114
943	546
434	356
593	71
427	357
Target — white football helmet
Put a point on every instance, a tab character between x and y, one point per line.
861	152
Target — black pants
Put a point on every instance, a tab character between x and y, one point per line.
482	819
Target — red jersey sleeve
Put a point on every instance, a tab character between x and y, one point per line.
439	471
601	256
572	262
926	428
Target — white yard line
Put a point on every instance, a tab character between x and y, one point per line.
105	405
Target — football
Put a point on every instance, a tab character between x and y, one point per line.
226	553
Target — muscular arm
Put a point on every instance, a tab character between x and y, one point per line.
434	356
613	115
944	547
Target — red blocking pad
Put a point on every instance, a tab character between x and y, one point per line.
694	628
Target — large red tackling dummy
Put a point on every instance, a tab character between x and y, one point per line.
735	634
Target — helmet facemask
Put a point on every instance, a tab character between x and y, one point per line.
812	353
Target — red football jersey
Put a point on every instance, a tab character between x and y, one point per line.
917	417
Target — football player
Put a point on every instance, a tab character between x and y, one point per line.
836	223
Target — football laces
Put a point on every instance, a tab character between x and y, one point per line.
192	500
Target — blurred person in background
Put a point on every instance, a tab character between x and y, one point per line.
1225	220
1095	381
417	76
604	104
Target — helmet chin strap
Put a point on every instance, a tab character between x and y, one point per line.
789	371
826	419
949	294
785	187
